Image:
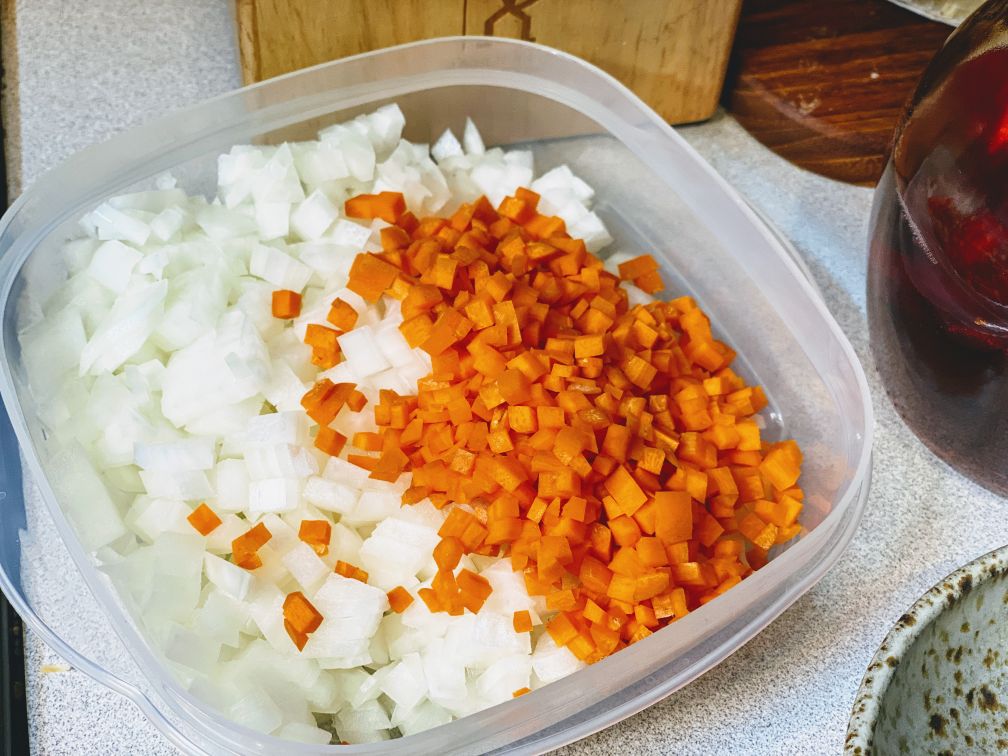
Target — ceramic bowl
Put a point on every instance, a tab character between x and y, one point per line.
939	682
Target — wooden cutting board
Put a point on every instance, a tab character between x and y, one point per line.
673	53
823	82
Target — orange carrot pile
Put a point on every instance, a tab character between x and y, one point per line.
610	451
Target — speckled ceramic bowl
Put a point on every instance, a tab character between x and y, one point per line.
939	682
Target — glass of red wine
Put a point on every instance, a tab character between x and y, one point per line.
938	267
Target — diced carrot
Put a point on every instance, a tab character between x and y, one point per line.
448	552
625	490
245	546
348	570
316	533
673	516
389	206
474	589
286	304
370	276
522	621
301	618
342	315
204	519
637	267
399	599
330	441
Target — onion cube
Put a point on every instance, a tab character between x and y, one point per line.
590	228
279	268
167	223
446	677
220	223
265	604
77	254
272	219
185	647
220	539
111	223
285	389
313	216
280	461
231	579
176	456
551	662
151	517
112	265
341	471
405	683
284	538
257	711
447	146
274	495
368	716
348	233
471	139
426	716
231	481
132	320
385	126
187	485
522	159
330	496
304	564
359	349
304	733
221	618
276	428
373	506
393	344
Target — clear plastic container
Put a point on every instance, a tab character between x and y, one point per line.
654	193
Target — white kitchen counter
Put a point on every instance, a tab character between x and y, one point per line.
87	69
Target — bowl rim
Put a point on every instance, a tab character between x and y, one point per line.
941	596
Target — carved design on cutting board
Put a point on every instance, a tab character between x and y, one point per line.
512	9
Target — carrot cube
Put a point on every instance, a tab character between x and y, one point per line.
624	530
562	630
204	519
625	490
673	516
316	533
448	552
286	304
342	315
370	276
589	346
636	267
474	589
522	621
245	546
399	599
330	441
388	206
300	613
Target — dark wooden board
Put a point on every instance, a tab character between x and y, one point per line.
822	82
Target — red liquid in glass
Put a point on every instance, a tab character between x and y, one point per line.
938	273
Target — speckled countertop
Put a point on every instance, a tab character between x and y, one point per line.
78	72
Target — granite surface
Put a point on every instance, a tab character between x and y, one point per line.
81	71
